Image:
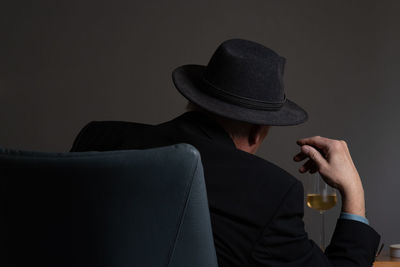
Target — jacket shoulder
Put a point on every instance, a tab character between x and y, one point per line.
107	135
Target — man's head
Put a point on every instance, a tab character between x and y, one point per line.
243	85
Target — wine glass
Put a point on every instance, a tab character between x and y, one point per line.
321	197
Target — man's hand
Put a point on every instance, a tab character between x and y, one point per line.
333	161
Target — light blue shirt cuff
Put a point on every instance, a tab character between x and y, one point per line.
353	217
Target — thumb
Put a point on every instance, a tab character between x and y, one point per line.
314	155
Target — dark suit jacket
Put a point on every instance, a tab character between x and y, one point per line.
256	207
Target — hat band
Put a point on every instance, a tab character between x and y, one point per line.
240	100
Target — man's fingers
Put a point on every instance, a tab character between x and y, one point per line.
316	141
314	155
314	169
308	166
299	157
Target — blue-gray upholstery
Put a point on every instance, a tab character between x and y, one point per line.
118	208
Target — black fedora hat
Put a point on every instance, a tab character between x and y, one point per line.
242	81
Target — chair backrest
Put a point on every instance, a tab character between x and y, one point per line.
117	208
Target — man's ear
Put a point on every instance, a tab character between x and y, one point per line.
257	134
254	134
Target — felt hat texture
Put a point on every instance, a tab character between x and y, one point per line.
242	81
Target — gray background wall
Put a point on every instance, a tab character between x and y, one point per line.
65	63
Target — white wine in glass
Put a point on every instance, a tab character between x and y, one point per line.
321	202
321	197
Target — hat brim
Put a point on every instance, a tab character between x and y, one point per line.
188	79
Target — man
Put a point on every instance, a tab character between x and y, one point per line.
256	207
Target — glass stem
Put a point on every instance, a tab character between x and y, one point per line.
322	230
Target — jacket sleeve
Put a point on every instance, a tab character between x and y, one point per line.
284	241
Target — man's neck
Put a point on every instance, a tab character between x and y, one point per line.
243	144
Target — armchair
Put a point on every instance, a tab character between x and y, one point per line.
117	208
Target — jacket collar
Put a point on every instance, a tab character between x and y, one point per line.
208	126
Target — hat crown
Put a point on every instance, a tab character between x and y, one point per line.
247	69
